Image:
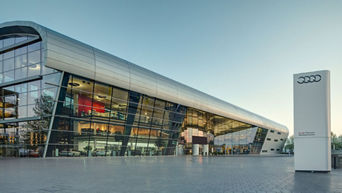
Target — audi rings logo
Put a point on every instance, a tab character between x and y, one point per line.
309	79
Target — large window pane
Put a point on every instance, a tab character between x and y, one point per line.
22	99
80	93
11	100
1	65
33	47
34	85
158	112
20	51
20	73
34	70
9	76
21	61
147	110
10	113
22	111
102	99
51	79
20	88
8	41
119	104
34	57
33	97
8	64
20	39
9	54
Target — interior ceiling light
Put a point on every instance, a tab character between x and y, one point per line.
74	84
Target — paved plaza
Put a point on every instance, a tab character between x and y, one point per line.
163	174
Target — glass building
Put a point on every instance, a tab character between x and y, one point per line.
61	97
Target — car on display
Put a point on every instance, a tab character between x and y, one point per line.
70	153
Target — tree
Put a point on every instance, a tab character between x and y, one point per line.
336	142
37	129
289	144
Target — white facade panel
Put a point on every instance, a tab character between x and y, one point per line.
274	142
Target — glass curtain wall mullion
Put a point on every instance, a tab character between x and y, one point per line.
136	137
162	124
109	116
53	115
17	45
150	127
132	109
91	118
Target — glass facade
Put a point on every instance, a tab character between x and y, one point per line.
47	112
222	135
95	119
27	94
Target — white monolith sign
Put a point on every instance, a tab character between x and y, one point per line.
312	151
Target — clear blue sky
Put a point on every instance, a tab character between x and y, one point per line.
244	52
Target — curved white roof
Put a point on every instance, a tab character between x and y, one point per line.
66	54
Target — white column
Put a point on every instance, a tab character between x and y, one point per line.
206	150
195	149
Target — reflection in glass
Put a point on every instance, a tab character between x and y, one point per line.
24	100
